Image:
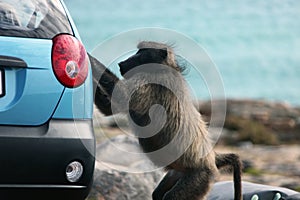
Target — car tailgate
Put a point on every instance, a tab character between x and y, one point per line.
29	88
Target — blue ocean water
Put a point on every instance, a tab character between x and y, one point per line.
254	44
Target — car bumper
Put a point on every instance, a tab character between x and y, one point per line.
33	160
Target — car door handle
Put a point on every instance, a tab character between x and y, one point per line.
9	61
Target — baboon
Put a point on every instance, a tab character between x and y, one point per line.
191	174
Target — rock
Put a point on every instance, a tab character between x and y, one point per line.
281	119
113	184
247	164
123	172
123	153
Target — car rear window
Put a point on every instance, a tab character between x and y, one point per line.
33	18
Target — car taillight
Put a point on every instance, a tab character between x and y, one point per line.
69	60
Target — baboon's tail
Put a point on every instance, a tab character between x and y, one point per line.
234	162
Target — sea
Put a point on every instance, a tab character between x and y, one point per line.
254	44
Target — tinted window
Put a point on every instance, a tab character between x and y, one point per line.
33	18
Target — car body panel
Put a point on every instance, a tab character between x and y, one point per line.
23	86
76	102
32	92
43	125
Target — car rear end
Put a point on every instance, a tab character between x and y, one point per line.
46	136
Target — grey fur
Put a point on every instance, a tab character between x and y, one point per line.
184	132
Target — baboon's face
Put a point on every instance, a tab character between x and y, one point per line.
143	56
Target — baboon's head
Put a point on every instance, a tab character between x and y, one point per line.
148	53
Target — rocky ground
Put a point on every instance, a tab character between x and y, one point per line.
265	135
260	122
270	165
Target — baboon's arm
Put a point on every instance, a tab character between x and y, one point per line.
104	82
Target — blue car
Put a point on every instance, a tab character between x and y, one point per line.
47	142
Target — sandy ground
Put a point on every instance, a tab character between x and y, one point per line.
272	165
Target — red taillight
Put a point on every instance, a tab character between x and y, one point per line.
69	60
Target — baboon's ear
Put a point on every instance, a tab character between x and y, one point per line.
163	53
